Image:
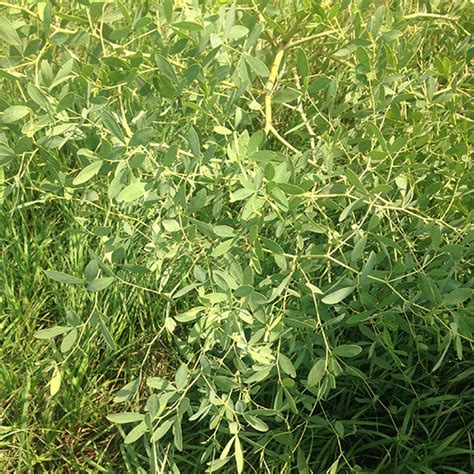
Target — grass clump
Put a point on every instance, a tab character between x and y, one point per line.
237	237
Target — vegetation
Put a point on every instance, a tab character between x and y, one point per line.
236	236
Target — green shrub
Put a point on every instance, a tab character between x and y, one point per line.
287	191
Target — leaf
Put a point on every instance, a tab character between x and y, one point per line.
38	96
63	278
369	266
106	334
194	143
222	248
49	333
338	296
355	180
8	32
239	455
302	63
457	296
87	173
256	423
188	25
342	53
168	10
240	194
111	123
14	113
285	96
136	433
132	192
171	225
190	315
178	434
126	392
316	373
165	68
215	298
286	365
100	284
224	231
142	137
347	350
68	341
358	249
257	66
238	32
162	429
63	74
290	189
126	417
222	130
226	450
181	377
55	382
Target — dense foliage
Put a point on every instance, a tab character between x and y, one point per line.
240	234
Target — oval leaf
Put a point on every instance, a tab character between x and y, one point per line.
338	296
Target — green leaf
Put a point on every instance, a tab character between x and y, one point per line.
111	123
355	180
194	143
126	392
342	53
220	130
168	10
50	333
257	66
240	194
239	455
285	96
238	32
178	434
162	429
290	189
316	373
126	417
338	296
136	433
14	113
286	365
55	382
457	296
222	248
358	249
142	136
171	225
256	423
224	231
38	96
132	192
87	173
188	26
106	334
302	63
68	341
181	377
165	68
8	32
63	278
347	350
190	315
100	284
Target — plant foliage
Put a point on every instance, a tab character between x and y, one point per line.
278	194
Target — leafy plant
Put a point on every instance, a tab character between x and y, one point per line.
282	193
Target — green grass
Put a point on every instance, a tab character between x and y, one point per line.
284	294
